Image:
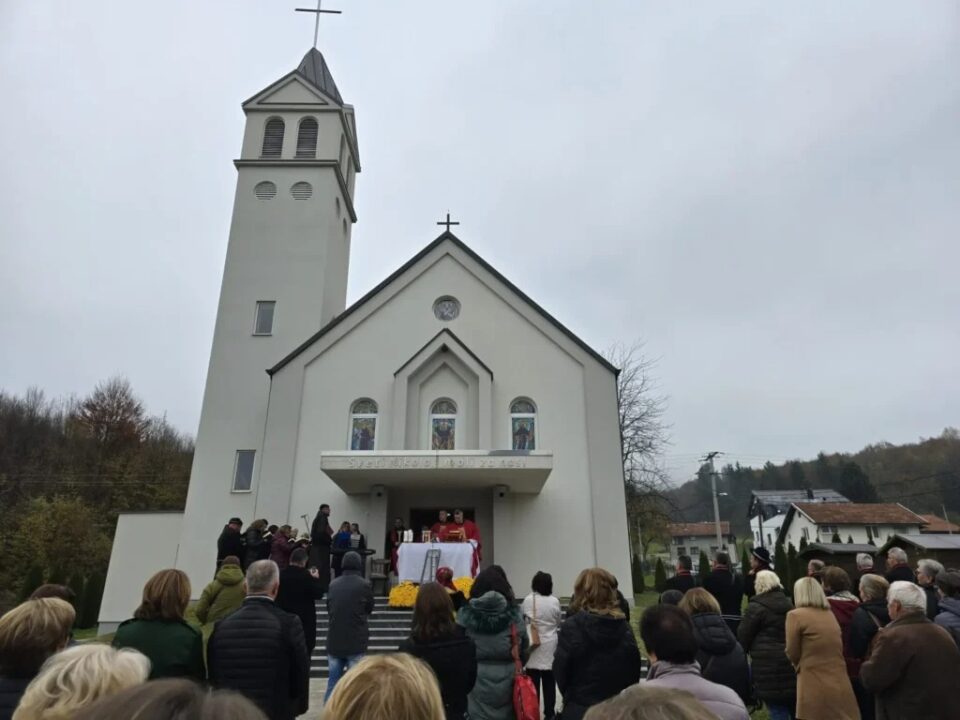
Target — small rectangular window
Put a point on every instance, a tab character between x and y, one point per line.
243	470
263	324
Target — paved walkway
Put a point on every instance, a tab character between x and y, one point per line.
318	686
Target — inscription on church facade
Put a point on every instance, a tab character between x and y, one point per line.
432	462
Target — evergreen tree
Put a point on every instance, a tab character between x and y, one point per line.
704	567
58	575
76	584
850	539
795	564
31	582
636	573
659	577
856	485
744	560
803	543
836	537
781	568
92	595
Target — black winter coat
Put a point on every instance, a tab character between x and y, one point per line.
299	592
933	601
255	547
900	572
350	602
259	651
681	582
596	658
863	628
453	660
762	634
230	542
727	588
721	658
11	690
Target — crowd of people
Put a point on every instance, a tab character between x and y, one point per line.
890	650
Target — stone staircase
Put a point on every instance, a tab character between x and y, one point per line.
388	627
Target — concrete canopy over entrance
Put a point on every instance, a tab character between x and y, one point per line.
519	471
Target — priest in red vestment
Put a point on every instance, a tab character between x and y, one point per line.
468	530
440	529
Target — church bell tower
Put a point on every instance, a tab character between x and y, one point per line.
285	276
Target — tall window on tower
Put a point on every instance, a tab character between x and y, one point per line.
523	424
272	138
243	470
307	138
443	424
263	322
363	425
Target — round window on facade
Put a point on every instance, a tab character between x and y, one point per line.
265	190
446	308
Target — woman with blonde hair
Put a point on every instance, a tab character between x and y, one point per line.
815	647
158	629
29	634
721	658
398	686
597	654
78	676
762	633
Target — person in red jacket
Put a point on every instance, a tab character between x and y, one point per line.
843	603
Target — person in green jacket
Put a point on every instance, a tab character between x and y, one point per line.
221	597
159	630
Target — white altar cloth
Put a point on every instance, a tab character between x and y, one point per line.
457	556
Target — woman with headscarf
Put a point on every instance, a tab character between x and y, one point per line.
445	579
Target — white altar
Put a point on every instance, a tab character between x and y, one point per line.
458	556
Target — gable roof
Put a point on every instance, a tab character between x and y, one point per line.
780	500
859	513
446	236
932	541
837	549
703	529
936	524
315	69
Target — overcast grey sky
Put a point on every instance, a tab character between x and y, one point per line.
767	193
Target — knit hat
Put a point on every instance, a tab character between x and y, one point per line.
762	554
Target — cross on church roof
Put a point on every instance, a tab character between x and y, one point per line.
448	222
319	10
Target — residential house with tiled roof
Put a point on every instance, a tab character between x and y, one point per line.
936	524
863	522
691	538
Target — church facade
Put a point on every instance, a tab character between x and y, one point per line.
444	386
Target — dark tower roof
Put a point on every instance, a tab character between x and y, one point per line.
314	68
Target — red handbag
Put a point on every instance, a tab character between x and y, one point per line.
526	704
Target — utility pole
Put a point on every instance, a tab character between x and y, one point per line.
945	517
716	506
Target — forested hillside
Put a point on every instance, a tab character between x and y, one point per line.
67	467
923	476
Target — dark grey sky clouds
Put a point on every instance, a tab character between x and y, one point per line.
767	193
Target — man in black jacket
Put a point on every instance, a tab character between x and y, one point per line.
321	536
727	587
299	591
683	580
259	650
230	541
349	602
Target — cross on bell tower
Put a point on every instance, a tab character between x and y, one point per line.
318	11
448	222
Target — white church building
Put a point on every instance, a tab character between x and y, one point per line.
444	386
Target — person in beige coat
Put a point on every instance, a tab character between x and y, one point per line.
815	648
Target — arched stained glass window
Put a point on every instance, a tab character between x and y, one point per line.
363	424
523	424
272	138
443	424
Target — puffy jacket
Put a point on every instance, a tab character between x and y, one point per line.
718	699
596	658
259	651
175	649
762	634
11	690
863	627
454	662
721	658
221	597
949	617
487	620
349	602
844	605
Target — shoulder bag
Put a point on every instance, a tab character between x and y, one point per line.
534	633
526	704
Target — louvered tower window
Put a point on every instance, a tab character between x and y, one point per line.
273	138
307	138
